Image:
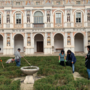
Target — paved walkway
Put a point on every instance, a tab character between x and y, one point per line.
42	54
30	86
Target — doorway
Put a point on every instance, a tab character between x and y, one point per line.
40	46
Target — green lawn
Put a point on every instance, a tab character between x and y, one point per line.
57	77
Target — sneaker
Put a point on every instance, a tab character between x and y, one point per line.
73	72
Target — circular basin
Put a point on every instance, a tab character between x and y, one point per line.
29	70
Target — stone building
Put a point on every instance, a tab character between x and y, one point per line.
45	26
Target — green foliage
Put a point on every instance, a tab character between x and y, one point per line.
56	77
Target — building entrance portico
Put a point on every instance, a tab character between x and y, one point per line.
38	43
18	42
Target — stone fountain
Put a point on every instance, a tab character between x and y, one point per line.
29	70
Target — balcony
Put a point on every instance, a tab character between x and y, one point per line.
78	24
27	25
7	25
57	25
38	25
68	24
48	25
88	24
18	25
0	25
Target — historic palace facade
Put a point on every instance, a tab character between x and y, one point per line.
44	26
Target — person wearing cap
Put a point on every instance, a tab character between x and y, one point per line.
18	57
71	59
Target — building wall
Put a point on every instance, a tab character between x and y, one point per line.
48	29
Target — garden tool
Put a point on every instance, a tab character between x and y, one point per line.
26	61
1	63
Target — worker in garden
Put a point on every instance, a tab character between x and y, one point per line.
71	59
18	57
10	60
88	62
62	57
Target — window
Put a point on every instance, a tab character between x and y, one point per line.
38	17
18	18
0	18
88	16
58	3
68	17
28	16
37	3
17	3
58	17
78	2
78	17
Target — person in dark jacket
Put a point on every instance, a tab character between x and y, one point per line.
71	59
88	62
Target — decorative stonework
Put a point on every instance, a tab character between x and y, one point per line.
28	39
58	25
48	38
48	1
68	38
8	39
28	16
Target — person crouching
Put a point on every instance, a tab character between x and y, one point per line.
71	59
10	60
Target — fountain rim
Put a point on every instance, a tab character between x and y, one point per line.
23	68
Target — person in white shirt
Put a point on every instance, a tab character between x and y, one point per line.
18	57
10	60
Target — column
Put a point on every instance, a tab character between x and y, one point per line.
72	19
52	19
31	19
65	18
45	19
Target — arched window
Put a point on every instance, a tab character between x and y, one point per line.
38	17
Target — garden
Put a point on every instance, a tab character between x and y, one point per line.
56	77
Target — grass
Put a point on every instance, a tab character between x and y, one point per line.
57	77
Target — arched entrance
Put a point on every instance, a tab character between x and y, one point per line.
79	43
18	42
1	44
38	43
58	42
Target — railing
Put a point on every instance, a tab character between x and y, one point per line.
48	25
58	25
38	25
78	24
18	25
0	26
88	24
7	25
27	25
68	24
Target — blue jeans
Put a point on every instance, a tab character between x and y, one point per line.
18	62
73	67
88	70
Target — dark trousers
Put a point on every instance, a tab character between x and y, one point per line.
62	63
68	63
18	62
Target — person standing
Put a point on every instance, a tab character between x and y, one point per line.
62	57
71	60
88	62
18	57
